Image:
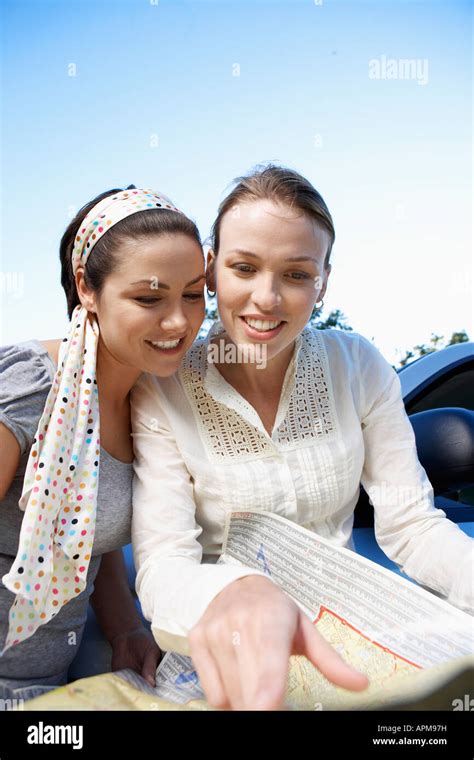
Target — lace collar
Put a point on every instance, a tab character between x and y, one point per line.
223	392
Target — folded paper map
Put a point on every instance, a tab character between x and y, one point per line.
416	649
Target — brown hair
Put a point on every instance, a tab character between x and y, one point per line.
103	259
281	185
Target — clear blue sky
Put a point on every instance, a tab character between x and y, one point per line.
390	156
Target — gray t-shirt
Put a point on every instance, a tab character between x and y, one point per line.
26	375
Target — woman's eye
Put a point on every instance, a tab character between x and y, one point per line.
148	300
194	296
245	268
299	276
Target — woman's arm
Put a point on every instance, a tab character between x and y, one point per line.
111	600
173	586
25	379
409	528
132	645
241	627
10	459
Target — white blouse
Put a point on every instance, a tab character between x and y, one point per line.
202	450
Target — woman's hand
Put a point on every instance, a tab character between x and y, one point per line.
133	646
136	649
242	644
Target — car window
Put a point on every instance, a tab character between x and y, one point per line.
454	389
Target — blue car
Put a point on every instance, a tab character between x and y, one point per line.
438	391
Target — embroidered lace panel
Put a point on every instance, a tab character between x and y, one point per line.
226	434
311	414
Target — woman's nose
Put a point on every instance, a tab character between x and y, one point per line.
267	295
174	320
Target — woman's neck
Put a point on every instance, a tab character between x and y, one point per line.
258	377
114	379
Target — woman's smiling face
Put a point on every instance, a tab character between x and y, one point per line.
152	305
269	273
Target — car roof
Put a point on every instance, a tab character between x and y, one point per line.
425	367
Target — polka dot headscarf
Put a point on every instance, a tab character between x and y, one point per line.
108	212
59	494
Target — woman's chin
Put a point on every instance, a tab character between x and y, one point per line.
162	365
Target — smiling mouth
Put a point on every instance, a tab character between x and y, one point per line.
166	345
263	325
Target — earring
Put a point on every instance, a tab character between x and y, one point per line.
209	293
319	306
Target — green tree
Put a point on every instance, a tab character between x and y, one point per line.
435	344
458	337
336	319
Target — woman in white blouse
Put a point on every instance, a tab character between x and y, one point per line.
294	431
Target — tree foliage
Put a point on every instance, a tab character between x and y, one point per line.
435	343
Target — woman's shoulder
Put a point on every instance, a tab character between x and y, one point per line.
356	357
342	345
52	347
26	375
26	358
151	389
346	350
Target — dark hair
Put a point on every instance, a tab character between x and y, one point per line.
278	184
102	260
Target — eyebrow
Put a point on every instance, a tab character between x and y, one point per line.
289	258
163	285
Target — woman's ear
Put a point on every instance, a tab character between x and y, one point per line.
86	296
324	284
210	270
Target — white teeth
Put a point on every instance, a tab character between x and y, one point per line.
261	325
165	343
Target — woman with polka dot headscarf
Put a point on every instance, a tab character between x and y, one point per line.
133	274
